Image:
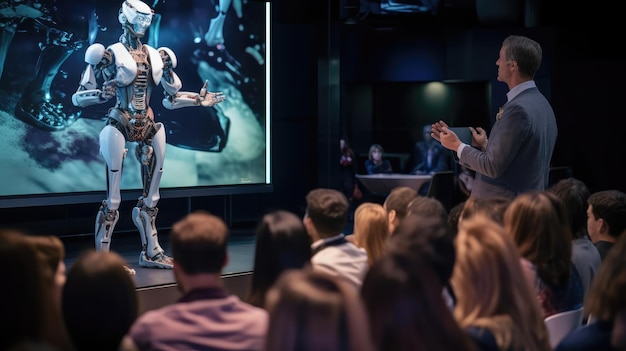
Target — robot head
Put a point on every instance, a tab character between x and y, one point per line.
137	15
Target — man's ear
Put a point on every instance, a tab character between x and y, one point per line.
391	215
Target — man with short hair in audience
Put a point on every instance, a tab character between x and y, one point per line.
206	317
325	218
397	204
606	218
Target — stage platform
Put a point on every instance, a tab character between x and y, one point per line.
157	287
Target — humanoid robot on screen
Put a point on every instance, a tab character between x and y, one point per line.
203	61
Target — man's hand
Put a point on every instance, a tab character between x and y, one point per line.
445	136
479	138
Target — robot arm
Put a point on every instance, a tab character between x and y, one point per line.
88	94
174	98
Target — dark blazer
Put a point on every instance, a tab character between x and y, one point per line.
441	158
519	151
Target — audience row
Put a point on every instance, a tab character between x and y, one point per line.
411	276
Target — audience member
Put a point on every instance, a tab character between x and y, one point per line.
100	301
606	218
51	251
26	297
281	243
454	216
347	172
314	311
402	296
428	207
371	229
574	195
325	217
375	162
516	157
430	239
397	205
206	316
494	305
429	156
606	302
493	207
538	224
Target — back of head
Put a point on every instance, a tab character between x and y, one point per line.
427	207
405	307
574	194
539	226
491	291
492	207
199	243
371	229
282	243
610	205
606	296
23	292
328	211
311	310
526	52
399	199
99	301
428	238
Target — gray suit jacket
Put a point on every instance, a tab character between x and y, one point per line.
518	155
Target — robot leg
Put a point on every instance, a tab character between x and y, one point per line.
112	149
151	158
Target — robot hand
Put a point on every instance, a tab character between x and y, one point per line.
207	98
186	99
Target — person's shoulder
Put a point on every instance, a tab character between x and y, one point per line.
595	336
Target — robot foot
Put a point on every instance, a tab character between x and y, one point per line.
161	260
45	115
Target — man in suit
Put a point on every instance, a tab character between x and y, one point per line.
516	156
325	217
429	157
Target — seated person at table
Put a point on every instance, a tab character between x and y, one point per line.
375	162
428	157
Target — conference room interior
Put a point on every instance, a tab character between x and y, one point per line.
337	72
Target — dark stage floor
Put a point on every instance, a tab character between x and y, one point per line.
240	250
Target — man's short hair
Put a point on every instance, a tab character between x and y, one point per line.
399	199
199	243
328	210
610	205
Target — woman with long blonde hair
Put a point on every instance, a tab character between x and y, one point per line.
371	229
495	304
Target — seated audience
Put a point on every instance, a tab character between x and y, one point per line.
494	305
493	207
347	172
281	243
325	217
431	240
314	311
606	218
454	216
206	317
428	207
574	195
606	303
397	204
375	162
371	229
26	296
402	297
538	224
100	301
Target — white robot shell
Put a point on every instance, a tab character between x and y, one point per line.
94	53
136	13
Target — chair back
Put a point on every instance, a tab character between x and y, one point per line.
443	187
563	323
